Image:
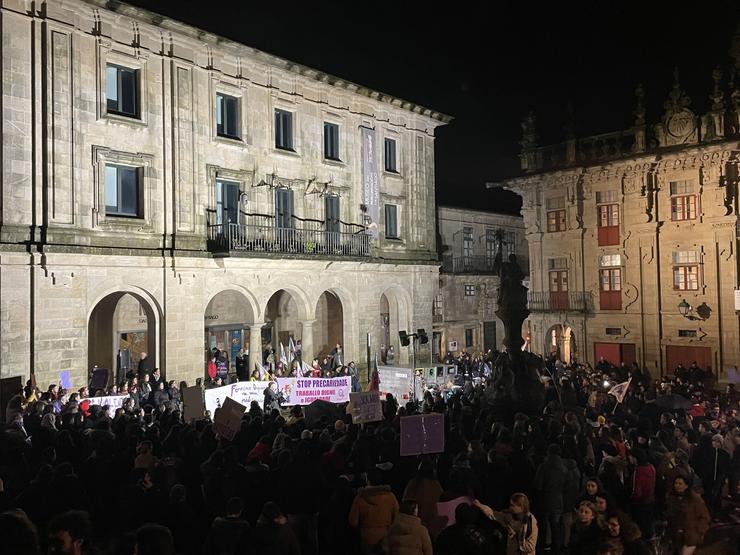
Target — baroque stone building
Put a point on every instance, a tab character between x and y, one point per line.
169	191
633	237
464	308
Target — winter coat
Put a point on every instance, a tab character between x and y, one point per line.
584	540
524	540
688	518
426	493
275	539
272	400
373	511
572	484
551	483
227	536
643	485
408	536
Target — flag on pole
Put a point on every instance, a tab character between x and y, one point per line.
291	349
283	359
374	384
306	369
620	390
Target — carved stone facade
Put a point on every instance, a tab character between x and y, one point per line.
465	308
640	235
206	114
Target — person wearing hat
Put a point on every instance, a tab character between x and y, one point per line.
273	535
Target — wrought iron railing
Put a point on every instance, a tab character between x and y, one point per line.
309	238
467	264
560	301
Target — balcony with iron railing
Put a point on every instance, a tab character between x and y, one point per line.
261	233
560	301
468	264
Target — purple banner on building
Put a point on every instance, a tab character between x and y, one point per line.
370	187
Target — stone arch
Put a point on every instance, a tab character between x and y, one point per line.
287	313
229	314
116	334
395	315
251	300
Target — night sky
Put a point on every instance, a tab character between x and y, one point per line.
487	64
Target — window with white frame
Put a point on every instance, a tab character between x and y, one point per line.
469	290
227	116
283	129
391	162
686	266
555	214
683	200
122	191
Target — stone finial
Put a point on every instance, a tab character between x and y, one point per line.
677	99
529	134
718	95
639	112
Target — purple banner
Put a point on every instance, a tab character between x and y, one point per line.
370	186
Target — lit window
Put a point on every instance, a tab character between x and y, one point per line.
686	270
469	290
683	201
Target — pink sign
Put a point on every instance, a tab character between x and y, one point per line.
422	434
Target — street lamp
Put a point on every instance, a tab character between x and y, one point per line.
684	308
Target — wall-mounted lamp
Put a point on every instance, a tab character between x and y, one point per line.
687	311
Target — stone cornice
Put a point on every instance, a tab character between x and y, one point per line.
202	37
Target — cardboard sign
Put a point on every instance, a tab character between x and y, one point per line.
365	407
422	434
193	405
241	392
64	380
228	418
397	381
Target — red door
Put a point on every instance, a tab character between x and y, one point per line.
559	290
686	355
610	352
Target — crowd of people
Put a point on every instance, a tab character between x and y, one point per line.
589	475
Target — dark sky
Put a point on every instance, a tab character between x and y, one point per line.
488	63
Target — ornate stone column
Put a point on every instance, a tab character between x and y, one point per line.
255	346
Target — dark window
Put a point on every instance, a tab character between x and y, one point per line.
284	208
613	331
331	213
331	141
687	333
227	116
469	290
467	243
121	84
469	337
390	156
122	191
227	202
283	130
391	221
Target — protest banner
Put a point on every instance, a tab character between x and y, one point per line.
112	401
365	407
241	392
228	419
193	405
422	434
304	391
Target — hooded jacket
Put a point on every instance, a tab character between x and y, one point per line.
373	511
408	536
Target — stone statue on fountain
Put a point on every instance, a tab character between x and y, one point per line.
516	374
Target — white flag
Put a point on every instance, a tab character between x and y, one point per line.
283	359
306	369
620	390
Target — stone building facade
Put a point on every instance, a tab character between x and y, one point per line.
464	309
633	237
167	190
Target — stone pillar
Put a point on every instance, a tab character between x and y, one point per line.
255	346
307	353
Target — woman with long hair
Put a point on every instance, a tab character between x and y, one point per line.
688	517
521	525
585	534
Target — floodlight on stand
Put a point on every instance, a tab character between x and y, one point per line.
422	335
403	336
